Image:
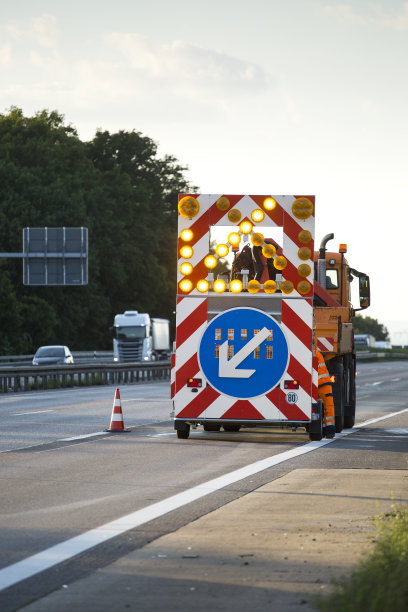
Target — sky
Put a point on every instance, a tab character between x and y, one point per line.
260	97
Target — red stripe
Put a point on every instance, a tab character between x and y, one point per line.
191	323
242	409
188	370
297	325
290	411
299	373
200	403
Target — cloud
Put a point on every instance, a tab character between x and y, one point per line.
42	31
190	66
395	20
5	55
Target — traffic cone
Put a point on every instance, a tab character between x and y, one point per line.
117	423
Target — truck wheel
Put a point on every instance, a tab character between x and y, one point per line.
212	426
315	427
182	434
183	429
350	403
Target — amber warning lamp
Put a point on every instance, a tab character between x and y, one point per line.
342	248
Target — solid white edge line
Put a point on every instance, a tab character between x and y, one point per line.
65	550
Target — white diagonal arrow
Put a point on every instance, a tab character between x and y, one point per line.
228	368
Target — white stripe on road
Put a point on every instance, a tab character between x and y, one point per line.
31	412
66	550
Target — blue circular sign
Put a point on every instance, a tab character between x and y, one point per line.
243	353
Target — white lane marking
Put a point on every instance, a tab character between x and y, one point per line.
395	379
66	550
377	383
31	412
91	435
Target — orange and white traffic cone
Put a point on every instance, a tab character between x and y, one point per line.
117	423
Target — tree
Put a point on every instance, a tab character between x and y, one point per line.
117	187
368	325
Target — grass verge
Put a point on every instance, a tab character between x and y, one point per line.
380	584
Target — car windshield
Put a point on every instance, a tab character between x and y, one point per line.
51	351
134	331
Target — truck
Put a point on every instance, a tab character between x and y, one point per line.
245	349
365	340
139	337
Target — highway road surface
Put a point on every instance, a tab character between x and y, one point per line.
75	498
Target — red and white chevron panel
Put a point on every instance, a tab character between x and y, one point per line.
325	344
295	317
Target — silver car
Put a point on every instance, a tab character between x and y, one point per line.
52	355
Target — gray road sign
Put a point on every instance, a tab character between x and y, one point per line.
55	256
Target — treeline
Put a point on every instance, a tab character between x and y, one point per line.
117	187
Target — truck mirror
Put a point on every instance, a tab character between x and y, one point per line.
364	289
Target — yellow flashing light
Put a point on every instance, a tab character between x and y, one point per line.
185	285
219	285
234	238
188	207
245	227
203	285
269	203
234	215
257	239
269	251
342	248
304	287
304	253
270	286
236	286
280	262
222	250
304	270
302	208
210	262
253	286
257	215
187	235
186	268
223	203
304	236
186	251
286	286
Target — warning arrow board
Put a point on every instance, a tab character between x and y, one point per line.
243	353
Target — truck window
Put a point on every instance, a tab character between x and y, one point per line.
332	279
136	331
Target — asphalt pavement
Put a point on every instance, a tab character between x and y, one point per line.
275	548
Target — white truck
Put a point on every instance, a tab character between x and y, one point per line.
139	337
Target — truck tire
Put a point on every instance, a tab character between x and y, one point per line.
337	370
232	427
350	400
315	428
182	429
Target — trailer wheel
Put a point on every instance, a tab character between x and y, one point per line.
182	434
315	428
182	429
231	427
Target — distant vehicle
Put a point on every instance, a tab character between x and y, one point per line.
364	340
139	337
53	355
385	344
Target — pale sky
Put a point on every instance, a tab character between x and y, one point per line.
267	96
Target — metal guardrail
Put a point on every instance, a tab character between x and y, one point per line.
34	378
